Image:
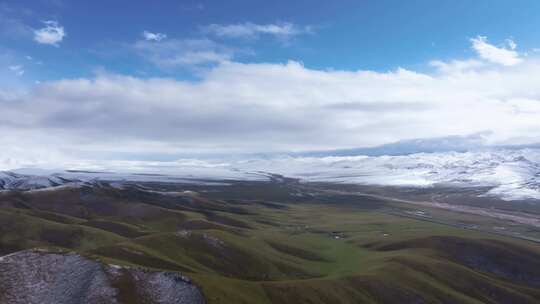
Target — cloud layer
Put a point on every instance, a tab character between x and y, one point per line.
239	107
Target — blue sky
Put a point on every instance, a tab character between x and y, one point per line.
349	35
157	80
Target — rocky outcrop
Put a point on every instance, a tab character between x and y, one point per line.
36	277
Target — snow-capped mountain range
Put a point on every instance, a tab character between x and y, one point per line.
11	180
510	174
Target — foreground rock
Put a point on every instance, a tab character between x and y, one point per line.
67	278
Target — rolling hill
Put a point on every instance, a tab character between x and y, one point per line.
268	242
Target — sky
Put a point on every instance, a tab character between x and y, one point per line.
140	80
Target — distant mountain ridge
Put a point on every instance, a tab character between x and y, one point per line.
510	174
457	143
15	181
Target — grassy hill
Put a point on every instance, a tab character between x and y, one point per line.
268	243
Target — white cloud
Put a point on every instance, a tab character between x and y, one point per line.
183	53
11	69
501	55
457	66
51	34
192	7
251	30
149	36
17	69
511	44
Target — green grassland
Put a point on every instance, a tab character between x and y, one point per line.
265	243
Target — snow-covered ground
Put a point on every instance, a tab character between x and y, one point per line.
512	174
